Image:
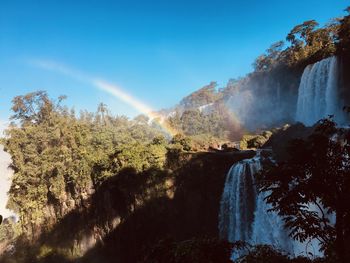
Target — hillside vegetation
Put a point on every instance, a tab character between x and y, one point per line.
93	187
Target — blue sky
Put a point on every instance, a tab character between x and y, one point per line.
157	51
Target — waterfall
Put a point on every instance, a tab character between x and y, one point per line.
5	181
243	211
239	201
244	214
319	92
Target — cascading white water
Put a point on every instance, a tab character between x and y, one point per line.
318	94
244	213
5	181
238	201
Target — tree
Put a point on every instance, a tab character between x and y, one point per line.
195	250
58	159
317	174
310	43
343	37
302	32
203	96
142	119
175	121
33	107
102	114
183	141
267	61
193	122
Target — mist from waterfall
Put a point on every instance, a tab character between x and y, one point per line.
318	94
5	181
260	101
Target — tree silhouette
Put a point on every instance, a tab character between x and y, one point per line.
312	186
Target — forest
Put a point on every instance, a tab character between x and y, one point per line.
94	187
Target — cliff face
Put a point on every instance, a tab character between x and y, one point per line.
121	219
131	212
260	100
265	99
191	211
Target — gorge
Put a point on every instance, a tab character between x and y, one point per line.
243	213
95	187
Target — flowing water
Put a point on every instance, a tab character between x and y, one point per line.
244	214
243	211
318	94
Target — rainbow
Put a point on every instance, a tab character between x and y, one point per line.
112	89
135	103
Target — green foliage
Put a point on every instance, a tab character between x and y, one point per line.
49	254
183	141
206	95
203	142
269	254
139	156
8	230
213	250
35	107
192	122
58	158
190	251
343	36
317	173
308	43
203	112
254	141
267	61
264	253
218	122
